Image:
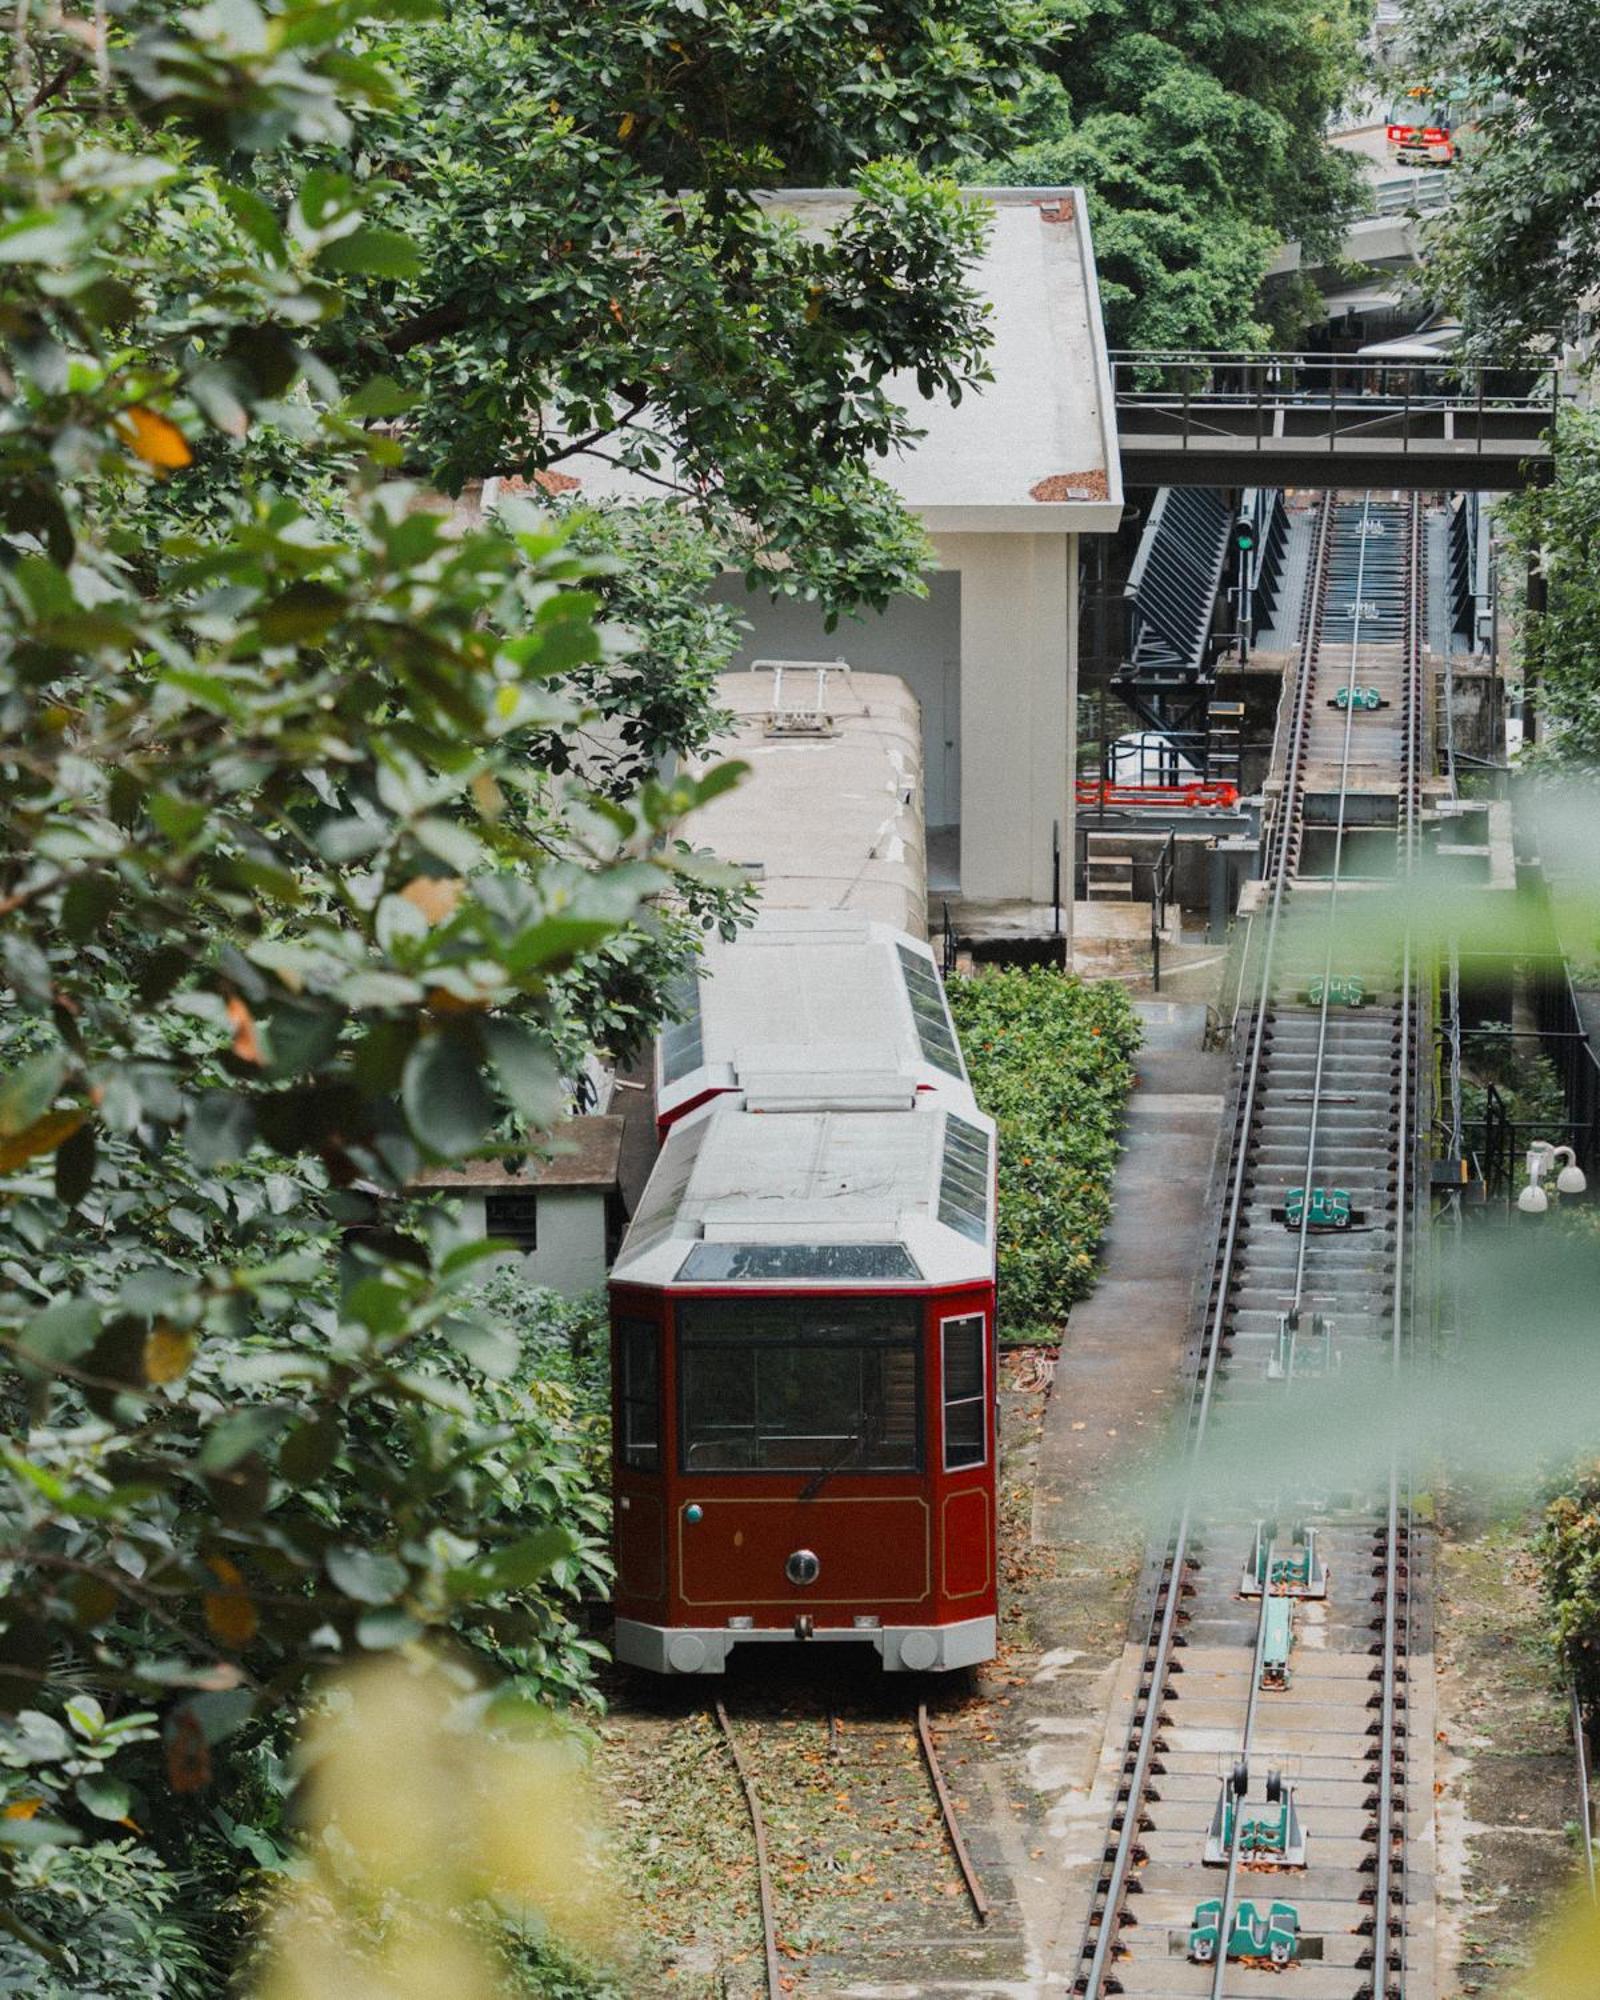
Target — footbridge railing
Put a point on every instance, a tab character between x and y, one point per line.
1407	417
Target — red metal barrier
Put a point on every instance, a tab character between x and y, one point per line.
1215	793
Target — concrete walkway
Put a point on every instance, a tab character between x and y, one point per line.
1122	1357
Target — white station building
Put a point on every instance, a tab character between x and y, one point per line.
1005	481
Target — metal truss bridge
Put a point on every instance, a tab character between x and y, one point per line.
1190	418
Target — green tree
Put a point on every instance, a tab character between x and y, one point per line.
1199	133
599	285
1556	528
295	895
1518	254
329	829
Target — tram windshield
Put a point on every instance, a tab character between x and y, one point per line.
800	1385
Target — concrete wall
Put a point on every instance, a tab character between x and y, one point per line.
917	638
571	1257
1019	616
991	654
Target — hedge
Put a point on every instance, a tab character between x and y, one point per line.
1051	1061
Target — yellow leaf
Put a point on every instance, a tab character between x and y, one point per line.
436	896
626	124
154	438
167	1353
22	1809
490	799
246	1046
229	1612
43	1136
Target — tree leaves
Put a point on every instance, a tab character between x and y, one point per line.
373	253
446	1104
29	1090
367	1577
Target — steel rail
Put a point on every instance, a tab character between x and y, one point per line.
1319	1065
758	1826
1219	1970
1200	1408
1320	1061
1383	1955
1581	1746
952	1826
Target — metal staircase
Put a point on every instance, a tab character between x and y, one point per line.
1172	597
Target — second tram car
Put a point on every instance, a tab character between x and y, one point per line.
804	1366
806	994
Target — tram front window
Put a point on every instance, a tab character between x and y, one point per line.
799	1385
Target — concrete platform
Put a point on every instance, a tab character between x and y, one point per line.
1126	1340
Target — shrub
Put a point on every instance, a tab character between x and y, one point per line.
1569	1555
1050	1059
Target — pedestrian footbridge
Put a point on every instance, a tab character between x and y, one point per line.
1188	418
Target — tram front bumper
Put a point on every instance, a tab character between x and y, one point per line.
704	1649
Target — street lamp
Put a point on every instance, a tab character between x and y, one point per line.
1542	1157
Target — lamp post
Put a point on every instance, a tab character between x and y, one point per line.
1542	1158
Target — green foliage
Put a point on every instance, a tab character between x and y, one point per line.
1528	1083
300	888
1558	528
598	284
108	1919
1518	253
330	831
1569	1556
1198	132
1051	1062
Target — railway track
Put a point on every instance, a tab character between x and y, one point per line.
854	1751
1261	1814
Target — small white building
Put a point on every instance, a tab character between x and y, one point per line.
563	1213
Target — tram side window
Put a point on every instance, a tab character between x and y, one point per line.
641	1401
963	1345
799	1386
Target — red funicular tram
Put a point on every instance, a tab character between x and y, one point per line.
804	1377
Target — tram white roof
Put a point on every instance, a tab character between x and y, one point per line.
808	1001
801	1198
830	815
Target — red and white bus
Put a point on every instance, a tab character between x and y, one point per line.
1421	130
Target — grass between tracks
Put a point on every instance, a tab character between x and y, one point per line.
1506	1833
1051	1060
